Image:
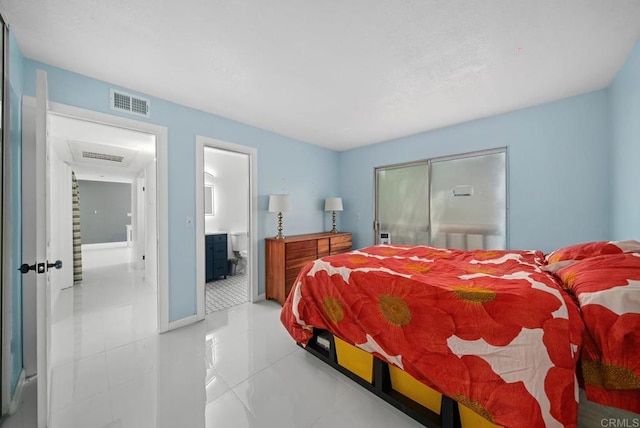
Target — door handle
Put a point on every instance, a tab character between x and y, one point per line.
57	264
38	267
25	268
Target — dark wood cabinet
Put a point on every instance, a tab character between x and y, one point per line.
285	257
216	256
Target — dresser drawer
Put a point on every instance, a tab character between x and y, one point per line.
301	250
288	286
341	239
323	247
289	281
299	263
340	244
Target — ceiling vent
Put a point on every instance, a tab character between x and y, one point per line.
101	154
123	102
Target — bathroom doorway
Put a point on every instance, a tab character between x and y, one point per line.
225	186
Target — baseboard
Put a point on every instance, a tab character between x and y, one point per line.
260	297
182	322
104	245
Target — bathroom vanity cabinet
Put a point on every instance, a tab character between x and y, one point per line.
216	256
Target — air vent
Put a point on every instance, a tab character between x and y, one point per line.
86	152
121	101
102	156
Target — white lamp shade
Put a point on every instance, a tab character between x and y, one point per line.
333	204
279	203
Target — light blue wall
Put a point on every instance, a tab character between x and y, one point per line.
15	125
285	165
558	170
624	97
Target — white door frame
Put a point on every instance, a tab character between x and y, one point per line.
252	230
42	248
162	205
29	217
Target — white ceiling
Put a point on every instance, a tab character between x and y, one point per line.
67	134
339	74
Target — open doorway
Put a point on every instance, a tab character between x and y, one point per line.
103	222
156	259
110	174
226	218
40	183
226	224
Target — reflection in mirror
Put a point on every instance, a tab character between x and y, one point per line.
208	199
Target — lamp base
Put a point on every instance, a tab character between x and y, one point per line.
279	235
334	230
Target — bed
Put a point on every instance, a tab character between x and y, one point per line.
604	278
499	332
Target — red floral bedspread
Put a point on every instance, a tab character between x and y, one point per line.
487	328
607	288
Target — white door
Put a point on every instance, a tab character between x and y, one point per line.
43	286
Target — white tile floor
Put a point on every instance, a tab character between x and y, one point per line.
238	368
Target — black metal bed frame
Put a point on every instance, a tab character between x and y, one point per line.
449	416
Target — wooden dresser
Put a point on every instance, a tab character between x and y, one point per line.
285	257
